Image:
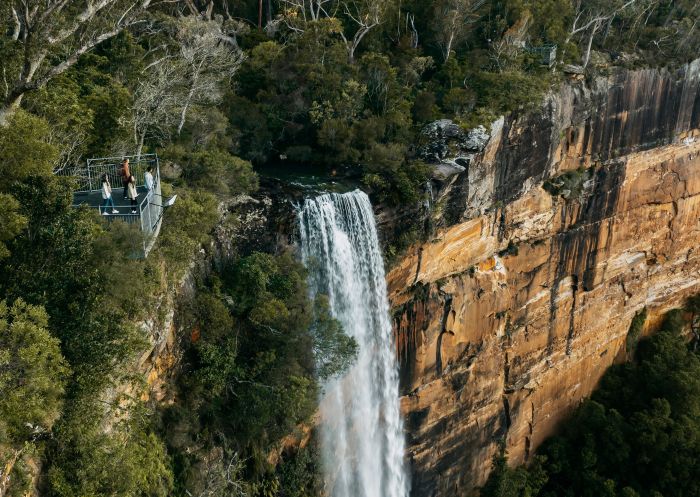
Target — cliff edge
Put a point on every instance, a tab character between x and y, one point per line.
552	234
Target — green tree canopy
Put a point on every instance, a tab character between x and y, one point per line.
32	373
638	434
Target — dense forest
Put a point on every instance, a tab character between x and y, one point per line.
639	433
222	90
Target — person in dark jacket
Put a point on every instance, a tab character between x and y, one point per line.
126	174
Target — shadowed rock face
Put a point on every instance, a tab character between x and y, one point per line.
567	223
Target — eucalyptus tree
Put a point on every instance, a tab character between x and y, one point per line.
205	61
453	19
32	379
359	17
41	39
591	16
363	16
203	56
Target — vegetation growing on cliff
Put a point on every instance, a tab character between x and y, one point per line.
75	293
79	412
638	434
87	295
197	82
258	348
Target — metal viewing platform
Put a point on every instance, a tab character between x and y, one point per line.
149	208
547	54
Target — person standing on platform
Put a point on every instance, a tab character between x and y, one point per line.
148	178
132	193
126	174
107	196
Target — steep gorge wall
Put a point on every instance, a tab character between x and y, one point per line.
510	315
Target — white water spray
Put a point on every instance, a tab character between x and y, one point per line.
361	432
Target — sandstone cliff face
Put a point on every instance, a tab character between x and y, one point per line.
565	225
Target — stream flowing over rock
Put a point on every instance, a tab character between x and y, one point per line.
361	428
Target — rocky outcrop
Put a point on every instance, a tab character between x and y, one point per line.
563	226
447	143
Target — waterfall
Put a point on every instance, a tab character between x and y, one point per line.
361	429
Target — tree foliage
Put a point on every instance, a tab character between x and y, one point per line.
342	86
25	150
84	460
638	434
259	348
32	374
45	38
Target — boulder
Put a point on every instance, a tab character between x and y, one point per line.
477	139
446	141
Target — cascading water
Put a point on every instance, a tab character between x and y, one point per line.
361	429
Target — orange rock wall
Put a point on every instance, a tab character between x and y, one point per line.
503	347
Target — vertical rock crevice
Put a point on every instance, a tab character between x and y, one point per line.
446	310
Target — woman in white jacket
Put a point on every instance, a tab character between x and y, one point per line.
107	196
132	193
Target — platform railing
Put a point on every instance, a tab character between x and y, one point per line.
89	176
149	210
547	53
112	167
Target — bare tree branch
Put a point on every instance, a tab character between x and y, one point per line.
452	21
189	77
366	15
70	28
592	15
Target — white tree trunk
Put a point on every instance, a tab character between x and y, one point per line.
190	96
356	42
587	57
17	28
7	470
448	46
139	147
67	30
8	109
183	113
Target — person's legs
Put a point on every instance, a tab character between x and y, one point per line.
108	205
126	188
133	205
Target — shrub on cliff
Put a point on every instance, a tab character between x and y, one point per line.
187	225
25	152
635	332
126	460
71	265
32	372
215	171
